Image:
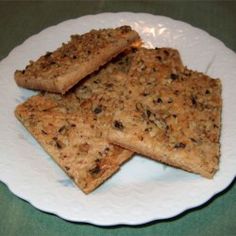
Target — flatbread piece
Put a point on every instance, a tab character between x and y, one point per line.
60	70
170	114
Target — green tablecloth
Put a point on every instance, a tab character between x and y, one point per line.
19	20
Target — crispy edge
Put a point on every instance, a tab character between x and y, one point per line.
63	83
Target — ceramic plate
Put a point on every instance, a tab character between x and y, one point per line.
143	190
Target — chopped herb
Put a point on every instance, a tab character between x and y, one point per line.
166	52
145	94
161	124
143	68
95	170
141	138
44	132
194	101
62	129
174	76
52	63
118	125
59	144
100	154
158	100
97	110
176	92
67	168
179	145
48	54
148	113
63	157
193	140
148	129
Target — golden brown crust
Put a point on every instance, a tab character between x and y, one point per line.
60	70
72	127
172	116
147	61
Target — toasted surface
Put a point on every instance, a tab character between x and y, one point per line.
72	127
170	115
60	70
147	61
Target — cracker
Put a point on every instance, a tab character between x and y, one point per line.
72	127
170	115
60	70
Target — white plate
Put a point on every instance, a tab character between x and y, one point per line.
143	190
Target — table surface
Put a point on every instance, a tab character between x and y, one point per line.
19	20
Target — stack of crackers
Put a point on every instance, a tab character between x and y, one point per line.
104	97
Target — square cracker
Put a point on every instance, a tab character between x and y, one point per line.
60	70
170	114
72	127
